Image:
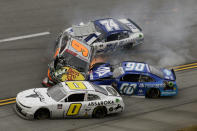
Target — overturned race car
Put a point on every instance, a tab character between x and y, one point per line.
71	99
108	34
135	78
71	61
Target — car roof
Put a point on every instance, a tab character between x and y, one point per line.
145	69
120	27
77	86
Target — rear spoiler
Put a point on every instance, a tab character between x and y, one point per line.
134	24
173	74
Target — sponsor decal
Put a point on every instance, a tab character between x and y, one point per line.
101	71
140	91
118	107
101	103
168	93
154	85
59	106
69	74
117	100
141	85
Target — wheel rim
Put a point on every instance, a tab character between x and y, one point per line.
99	113
42	115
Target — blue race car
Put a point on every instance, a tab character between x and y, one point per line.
135	78
108	34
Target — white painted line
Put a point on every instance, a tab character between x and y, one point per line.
24	37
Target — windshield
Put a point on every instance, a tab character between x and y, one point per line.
57	92
156	71
99	89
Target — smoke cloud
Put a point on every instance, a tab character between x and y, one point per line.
168	26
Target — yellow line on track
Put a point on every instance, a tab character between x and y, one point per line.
176	68
7	99
6	103
184	65
190	67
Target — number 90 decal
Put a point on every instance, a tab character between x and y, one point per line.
134	66
74	109
127	88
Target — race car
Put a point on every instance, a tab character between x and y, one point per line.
71	61
135	79
72	99
108	34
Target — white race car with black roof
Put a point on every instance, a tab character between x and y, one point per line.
67	100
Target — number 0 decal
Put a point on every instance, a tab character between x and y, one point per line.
73	109
76	85
80	48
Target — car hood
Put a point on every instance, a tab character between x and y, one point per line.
169	74
34	97
102	71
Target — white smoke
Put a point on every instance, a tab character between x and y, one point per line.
167	29
167	25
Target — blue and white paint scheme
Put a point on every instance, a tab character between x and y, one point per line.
136	78
108	34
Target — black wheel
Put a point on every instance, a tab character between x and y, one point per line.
153	93
42	114
99	112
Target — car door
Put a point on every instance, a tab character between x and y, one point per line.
74	105
128	84
144	80
148	81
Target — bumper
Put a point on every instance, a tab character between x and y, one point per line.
23	114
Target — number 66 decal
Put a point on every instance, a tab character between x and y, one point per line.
127	88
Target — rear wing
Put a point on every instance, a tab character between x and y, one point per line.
173	74
131	24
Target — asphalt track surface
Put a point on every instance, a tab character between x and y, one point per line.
170	39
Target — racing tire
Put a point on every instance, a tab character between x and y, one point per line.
153	93
99	112
42	114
